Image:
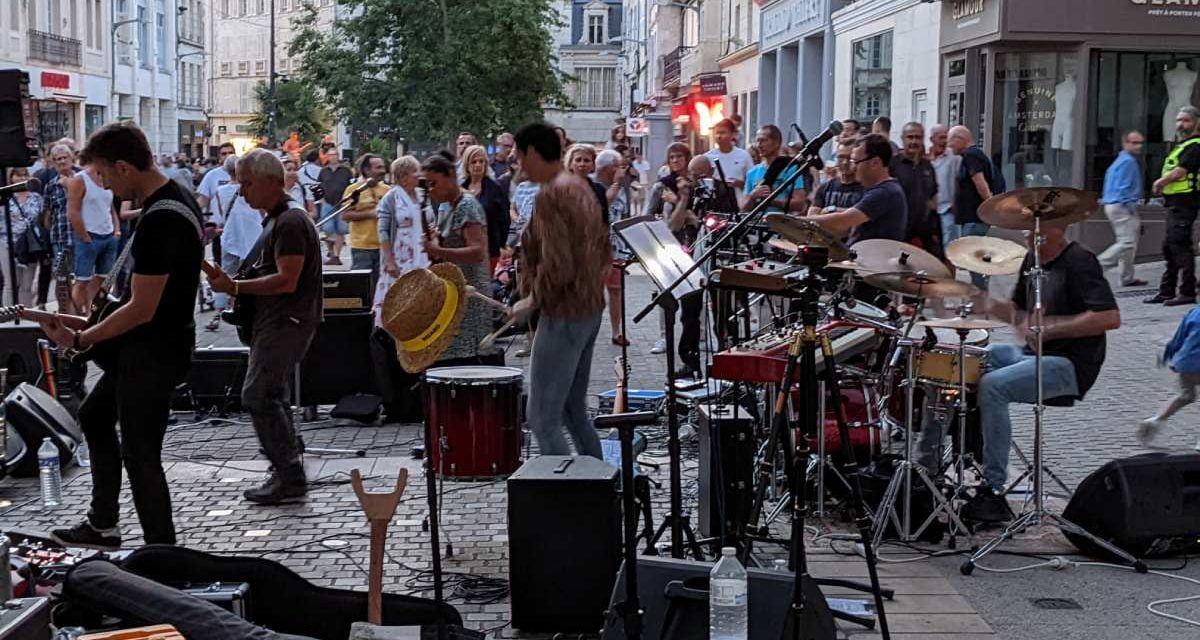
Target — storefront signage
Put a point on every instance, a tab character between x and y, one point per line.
1165	12
712	86
969	20
791	19
637	128
967	8
1153	18
51	80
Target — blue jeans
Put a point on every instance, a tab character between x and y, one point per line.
94	258
559	368
976	229
334	225
950	229
1011	378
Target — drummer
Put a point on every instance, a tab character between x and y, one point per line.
1079	310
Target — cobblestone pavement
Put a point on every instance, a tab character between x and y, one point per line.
211	462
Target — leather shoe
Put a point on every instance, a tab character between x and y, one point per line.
1136	282
1179	301
1157	298
286	486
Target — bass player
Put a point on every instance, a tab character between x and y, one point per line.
143	343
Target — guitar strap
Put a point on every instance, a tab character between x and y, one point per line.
119	265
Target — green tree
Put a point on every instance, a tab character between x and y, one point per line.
427	69
298	111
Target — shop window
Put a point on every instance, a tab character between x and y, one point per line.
1142	91
1035	98
872	76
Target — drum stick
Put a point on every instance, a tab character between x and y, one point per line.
474	293
490	338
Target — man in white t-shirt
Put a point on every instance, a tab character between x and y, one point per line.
735	162
216	177
309	175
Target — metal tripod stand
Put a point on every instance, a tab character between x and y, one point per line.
1037	515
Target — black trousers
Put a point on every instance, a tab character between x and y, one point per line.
275	350
690	309
135	392
1179	251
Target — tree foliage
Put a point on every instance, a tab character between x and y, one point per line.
428	69
298	111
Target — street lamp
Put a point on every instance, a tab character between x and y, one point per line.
112	98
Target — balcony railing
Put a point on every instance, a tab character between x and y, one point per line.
671	68
54	49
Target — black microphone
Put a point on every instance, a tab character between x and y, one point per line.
33	184
813	147
803	139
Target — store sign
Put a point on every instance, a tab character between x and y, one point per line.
1170	8
713	86
791	19
637	128
967	8
1111	18
965	20
51	80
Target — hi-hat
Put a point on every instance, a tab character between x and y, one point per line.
921	285
805	232
988	256
966	324
889	256
1056	206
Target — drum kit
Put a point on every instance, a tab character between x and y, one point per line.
948	363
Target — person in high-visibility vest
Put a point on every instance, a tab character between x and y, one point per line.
1180	188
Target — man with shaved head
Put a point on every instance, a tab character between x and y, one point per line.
975	185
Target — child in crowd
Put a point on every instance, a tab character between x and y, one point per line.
1182	355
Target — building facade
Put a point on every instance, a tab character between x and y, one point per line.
887	61
738	62
239	54
796	67
191	73
64	47
1050	93
143	34
589	46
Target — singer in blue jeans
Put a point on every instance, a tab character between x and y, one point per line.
1078	308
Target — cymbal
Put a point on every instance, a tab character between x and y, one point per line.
889	256
966	324
921	285
989	256
850	265
1057	206
786	246
802	232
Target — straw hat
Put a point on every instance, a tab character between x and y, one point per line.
422	311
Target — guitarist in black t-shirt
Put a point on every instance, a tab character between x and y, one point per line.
143	343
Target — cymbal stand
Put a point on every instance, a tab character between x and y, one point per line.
1038	515
900	487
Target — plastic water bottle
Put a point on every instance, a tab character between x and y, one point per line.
728	598
51	475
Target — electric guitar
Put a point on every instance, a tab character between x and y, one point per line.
241	311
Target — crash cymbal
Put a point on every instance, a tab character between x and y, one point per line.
956	323
1057	206
851	265
888	256
920	285
786	246
989	256
806	232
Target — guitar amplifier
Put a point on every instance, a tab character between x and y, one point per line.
25	619
347	290
214	380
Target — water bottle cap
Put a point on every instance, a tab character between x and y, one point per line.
728	551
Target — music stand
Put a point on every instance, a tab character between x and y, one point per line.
674	273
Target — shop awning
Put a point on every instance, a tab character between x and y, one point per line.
66	97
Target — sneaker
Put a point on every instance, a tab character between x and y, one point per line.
280	488
213	324
660	346
987	506
1148	430
85	536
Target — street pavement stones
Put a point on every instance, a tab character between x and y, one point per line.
210	463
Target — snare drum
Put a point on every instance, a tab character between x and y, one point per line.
939	366
474	417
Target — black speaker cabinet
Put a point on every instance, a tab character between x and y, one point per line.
214	380
34	415
726	471
1146	505
770	598
18	350
564	538
18	120
338	362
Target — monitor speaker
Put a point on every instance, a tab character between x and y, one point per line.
214	380
34	415
18	120
564	539
1148	505
338	363
770	598
18	350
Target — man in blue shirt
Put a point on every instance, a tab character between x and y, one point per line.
769	141
1122	193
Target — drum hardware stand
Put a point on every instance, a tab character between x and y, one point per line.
630	609
306	415
900	486
431	495
1038	515
1012	486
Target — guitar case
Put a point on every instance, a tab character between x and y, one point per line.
280	599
